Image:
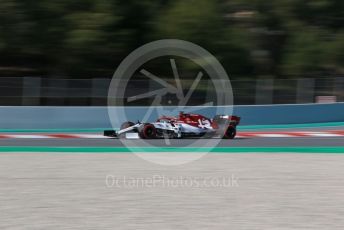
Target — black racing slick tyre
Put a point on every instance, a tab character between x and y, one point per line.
125	125
147	131
230	133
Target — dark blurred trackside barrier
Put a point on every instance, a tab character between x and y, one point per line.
39	91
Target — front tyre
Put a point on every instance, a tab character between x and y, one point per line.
230	133
125	125
147	131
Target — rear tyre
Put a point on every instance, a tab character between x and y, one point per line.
125	125
147	131
229	133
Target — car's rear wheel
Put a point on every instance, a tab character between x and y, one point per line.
229	133
125	125
147	131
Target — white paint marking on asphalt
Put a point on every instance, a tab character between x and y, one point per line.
326	135
30	136
273	135
92	136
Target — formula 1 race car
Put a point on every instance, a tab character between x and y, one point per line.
184	126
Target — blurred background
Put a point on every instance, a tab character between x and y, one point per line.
62	52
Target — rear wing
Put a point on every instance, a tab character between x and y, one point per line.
222	119
235	119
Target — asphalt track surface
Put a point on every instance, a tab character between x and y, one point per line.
262	191
237	142
47	190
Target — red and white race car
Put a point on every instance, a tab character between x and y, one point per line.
184	126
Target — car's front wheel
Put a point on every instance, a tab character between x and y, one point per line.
125	125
